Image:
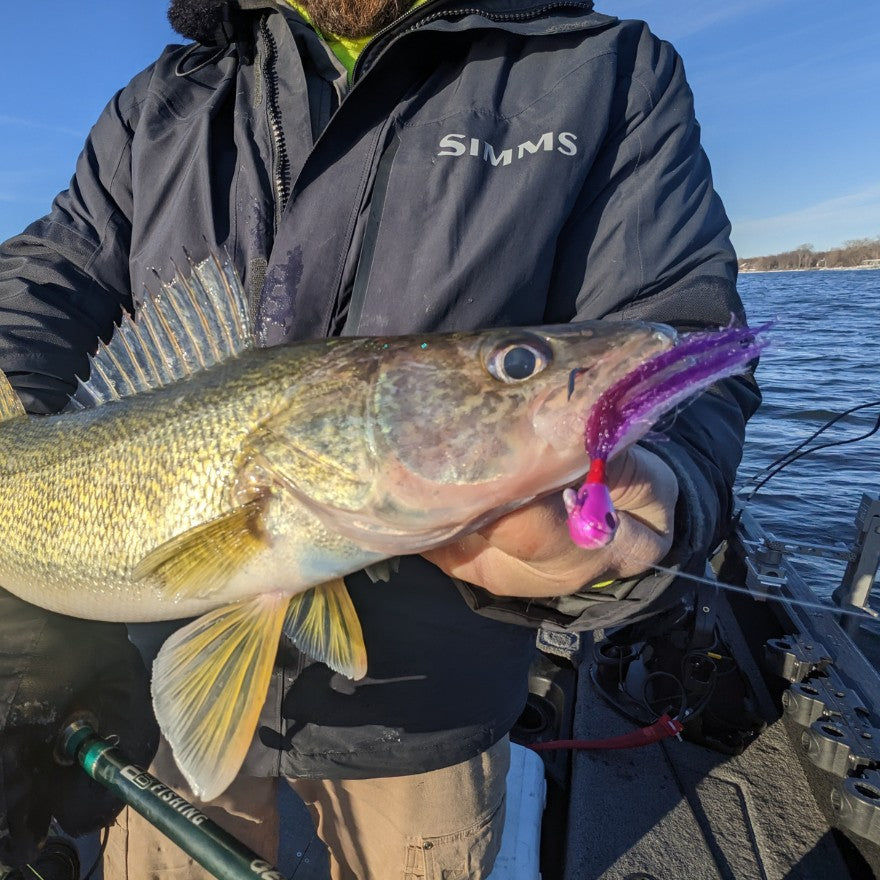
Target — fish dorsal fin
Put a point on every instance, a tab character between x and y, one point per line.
191	323
11	406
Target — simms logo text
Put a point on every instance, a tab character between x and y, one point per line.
462	145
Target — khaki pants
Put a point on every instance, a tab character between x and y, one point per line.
441	825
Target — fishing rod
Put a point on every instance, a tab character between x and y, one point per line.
216	850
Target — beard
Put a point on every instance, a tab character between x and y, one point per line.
354	18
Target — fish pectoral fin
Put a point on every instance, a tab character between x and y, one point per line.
209	684
198	562
323	623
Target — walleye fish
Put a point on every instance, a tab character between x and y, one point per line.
199	476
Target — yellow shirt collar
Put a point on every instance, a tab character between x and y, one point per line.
346	49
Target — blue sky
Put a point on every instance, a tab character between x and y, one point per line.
786	93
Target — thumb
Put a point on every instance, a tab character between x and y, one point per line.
643	486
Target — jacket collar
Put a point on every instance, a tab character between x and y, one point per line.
213	22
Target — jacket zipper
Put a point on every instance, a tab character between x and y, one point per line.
353	310
281	164
455	12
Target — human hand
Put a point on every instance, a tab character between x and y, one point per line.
529	552
50	668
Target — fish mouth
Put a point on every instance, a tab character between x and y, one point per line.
562	413
660	332
628	408
622	359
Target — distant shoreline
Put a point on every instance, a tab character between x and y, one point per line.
744	271
859	253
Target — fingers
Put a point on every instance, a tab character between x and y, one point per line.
528	552
644	486
476	560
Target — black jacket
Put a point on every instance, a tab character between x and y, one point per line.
499	163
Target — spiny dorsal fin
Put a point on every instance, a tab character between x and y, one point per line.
10	405
190	324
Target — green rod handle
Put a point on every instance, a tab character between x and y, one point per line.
180	821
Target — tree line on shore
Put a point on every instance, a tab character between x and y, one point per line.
853	254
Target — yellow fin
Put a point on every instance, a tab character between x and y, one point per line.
323	623
209	684
200	561
10	405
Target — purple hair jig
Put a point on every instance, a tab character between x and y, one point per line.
628	409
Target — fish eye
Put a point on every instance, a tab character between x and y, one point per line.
518	361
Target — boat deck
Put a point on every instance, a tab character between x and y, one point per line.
669	810
677	809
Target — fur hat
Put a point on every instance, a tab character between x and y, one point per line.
205	21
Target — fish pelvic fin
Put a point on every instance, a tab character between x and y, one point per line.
11	406
188	324
323	623
199	562
209	684
383	570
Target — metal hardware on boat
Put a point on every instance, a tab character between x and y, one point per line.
794	659
857	805
803	704
840	550
861	571
838	735
832	702
764	571
842	740
830	749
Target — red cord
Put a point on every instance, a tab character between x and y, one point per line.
661	729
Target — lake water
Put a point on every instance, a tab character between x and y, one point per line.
825	359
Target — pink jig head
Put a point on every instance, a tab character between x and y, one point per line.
628	409
592	519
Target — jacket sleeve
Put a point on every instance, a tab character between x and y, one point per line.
63	283
649	240
65	279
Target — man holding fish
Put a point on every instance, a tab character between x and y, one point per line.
364	170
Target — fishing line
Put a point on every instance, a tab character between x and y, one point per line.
756	594
793	455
